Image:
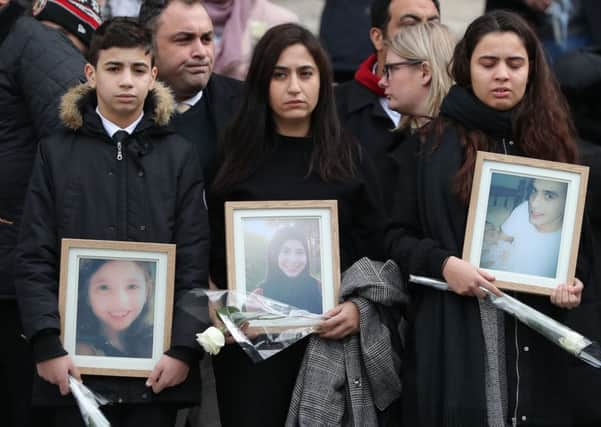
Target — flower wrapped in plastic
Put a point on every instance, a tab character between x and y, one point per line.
88	403
260	325
566	338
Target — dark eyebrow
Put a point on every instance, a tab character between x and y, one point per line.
489	57
113	63
409	15
140	64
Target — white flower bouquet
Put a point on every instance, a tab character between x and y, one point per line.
88	403
566	338
260	325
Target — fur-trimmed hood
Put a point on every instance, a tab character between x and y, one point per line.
160	101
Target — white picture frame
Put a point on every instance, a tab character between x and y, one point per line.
252	229
116	305
524	221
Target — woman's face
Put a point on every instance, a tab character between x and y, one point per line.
546	205
117	293
294	89
405	85
499	69
292	258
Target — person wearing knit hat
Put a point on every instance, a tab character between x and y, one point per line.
38	64
78	19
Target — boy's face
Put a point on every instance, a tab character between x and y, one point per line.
122	78
546	204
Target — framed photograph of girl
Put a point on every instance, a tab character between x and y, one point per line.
285	250
524	221
116	303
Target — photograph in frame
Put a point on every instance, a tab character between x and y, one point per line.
286	251
524	221
116	301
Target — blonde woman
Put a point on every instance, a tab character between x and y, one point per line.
416	77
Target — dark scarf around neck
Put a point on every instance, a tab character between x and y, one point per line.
461	105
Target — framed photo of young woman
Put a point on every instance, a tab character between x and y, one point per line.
116	304
285	250
524	221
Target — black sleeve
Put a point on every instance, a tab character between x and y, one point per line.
49	66
191	235
37	263
406	242
369	219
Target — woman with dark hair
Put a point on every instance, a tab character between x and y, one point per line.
470	365
286	143
113	306
288	277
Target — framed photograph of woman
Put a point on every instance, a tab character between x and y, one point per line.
285	250
524	221
116	303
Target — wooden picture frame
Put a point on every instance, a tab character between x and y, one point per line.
254	229
116	304
524	221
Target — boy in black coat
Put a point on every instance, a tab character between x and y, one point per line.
116	173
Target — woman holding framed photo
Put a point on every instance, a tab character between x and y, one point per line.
469	366
286	143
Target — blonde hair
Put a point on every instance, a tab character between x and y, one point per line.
432	43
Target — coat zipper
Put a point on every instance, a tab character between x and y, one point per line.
121	193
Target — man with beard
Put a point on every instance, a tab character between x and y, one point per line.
184	44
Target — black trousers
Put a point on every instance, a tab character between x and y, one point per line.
146	415
16	370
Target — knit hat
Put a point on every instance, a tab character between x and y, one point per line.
78	17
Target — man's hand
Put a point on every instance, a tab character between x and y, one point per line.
56	371
168	372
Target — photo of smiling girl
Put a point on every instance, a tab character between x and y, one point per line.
288	277
533	227
114	315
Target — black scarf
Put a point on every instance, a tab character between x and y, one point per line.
461	105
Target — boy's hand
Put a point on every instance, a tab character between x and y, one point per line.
168	372
57	370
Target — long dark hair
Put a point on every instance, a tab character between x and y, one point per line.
88	325
252	133
541	122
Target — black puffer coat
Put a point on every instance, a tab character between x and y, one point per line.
80	189
37	66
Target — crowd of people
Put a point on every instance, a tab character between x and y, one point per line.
142	128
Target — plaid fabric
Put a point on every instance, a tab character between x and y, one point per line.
341	383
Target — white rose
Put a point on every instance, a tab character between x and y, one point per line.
211	340
572	342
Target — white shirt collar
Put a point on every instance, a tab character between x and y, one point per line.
395	116
192	101
111	128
